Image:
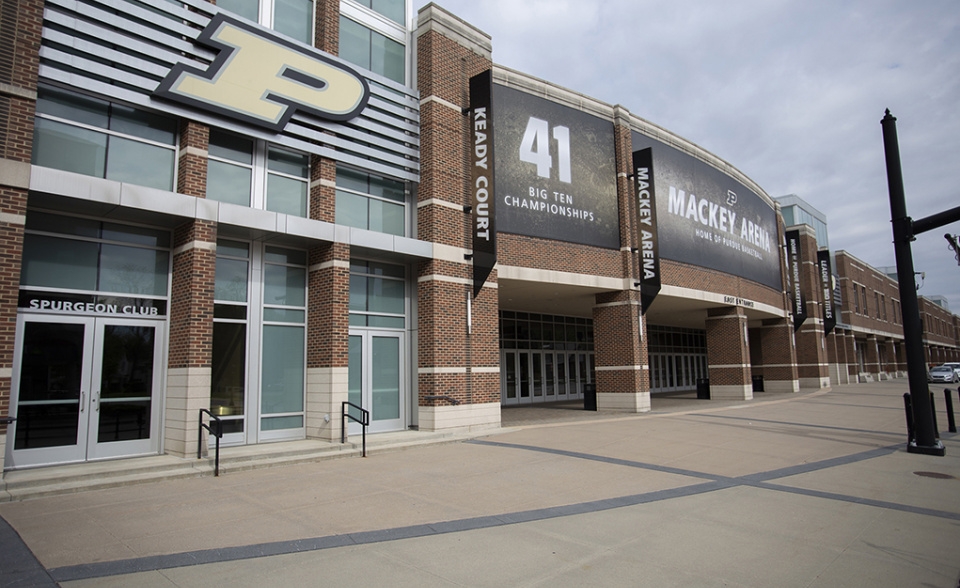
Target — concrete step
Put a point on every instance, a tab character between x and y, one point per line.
66	479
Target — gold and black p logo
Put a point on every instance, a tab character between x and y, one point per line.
263	79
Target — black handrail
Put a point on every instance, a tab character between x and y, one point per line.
365	421
7	420
442	397
218	433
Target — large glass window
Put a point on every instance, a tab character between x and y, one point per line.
83	254
98	138
372	50
392	9
230	314
377	292
370	202
252	173
293	18
284	331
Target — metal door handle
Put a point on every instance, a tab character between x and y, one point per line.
96	401
82	398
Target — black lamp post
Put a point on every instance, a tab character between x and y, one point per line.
904	231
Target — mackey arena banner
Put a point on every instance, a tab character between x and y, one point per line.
556	174
706	218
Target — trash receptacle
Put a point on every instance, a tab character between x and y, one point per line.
758	383
589	397
703	389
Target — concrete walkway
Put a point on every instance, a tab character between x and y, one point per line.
785	490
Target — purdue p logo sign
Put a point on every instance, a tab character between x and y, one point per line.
261	78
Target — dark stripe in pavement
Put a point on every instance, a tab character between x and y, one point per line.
715	482
18	565
809	425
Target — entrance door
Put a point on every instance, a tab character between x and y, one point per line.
84	389
376	377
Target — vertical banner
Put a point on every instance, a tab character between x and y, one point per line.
646	227
798	301
826	287
483	221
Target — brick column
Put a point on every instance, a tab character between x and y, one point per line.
890	360
777	359
458	353
811	355
19	63
623	378
901	359
853	364
328	332
191	304
872	358
728	354
836	361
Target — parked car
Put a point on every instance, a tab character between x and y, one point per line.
953	364
942	373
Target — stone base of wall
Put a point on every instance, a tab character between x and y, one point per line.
624	401
3	452
731	392
465	417
864	378
821	383
781	385
188	390
326	392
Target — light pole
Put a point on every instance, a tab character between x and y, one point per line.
904	231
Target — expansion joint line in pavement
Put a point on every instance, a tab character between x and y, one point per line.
711	483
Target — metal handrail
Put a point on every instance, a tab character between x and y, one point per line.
442	397
365	421
218	434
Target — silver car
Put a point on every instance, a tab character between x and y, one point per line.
953	364
942	373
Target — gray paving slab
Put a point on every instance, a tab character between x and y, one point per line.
788	490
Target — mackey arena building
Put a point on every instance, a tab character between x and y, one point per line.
264	209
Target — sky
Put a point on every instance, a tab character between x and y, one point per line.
790	92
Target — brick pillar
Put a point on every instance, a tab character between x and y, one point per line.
327	26
811	351
728	354
853	363
328	331
458	354
774	356
890	359
623	378
835	358
191	304
19	63
872	358
901	359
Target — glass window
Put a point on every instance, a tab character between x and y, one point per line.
370	202
287	181
392	9
377	295
283	369
372	50
97	138
91	264
229	168
293	18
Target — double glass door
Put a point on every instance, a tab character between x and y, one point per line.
84	388
544	376
376	379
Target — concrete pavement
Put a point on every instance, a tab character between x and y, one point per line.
787	490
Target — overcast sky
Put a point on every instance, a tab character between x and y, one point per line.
791	92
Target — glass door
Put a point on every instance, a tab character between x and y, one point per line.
84	389
51	390
376	379
124	410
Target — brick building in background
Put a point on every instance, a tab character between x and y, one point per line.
265	209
